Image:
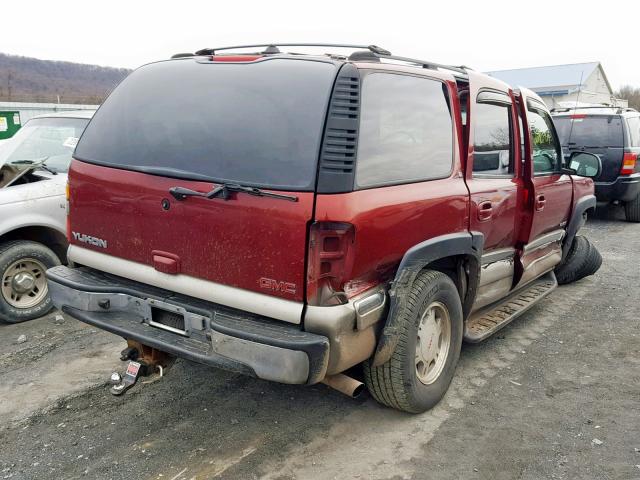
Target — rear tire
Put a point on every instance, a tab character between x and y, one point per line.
632	210
582	260
430	324
24	294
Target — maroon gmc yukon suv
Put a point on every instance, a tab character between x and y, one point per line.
290	216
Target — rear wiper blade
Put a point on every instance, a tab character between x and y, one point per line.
223	190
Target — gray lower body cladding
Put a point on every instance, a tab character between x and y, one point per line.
212	334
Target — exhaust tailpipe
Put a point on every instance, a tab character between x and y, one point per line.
344	384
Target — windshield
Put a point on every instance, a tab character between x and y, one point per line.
599	131
48	140
257	123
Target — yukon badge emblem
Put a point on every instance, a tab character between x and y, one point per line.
96	242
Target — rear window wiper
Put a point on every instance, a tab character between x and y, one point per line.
223	190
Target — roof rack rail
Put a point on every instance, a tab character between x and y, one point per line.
371	51
273	47
586	107
423	63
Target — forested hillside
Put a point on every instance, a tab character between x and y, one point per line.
24	79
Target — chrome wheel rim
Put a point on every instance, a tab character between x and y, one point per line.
433	343
24	284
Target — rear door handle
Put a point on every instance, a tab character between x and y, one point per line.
540	202
485	211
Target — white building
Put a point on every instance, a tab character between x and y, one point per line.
585	83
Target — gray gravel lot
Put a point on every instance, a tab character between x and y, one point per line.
554	395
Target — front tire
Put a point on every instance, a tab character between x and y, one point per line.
24	294
419	372
582	260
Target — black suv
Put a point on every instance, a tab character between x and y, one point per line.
613	133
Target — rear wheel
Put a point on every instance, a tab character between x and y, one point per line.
24	294
632	210
424	361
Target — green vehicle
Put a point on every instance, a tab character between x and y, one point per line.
9	124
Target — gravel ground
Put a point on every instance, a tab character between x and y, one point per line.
554	395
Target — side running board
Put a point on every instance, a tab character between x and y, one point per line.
489	320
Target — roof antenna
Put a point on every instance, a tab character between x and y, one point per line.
575	108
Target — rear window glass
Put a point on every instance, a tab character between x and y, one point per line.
257	124
595	131
634	131
405	131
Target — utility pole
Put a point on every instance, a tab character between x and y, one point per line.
9	78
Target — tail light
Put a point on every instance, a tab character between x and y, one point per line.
629	163
67	194
330	262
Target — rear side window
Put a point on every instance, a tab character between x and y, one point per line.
492	140
597	131
634	131
406	131
546	150
256	123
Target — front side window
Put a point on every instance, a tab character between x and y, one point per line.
546	148
492	140
406	131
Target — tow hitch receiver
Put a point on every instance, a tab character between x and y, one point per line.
143	361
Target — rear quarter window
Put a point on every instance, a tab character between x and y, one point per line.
406	131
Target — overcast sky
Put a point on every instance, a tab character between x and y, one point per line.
485	35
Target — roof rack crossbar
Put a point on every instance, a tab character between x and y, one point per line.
586	107
372	48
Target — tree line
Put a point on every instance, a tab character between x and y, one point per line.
24	79
631	94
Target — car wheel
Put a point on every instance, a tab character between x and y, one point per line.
582	260
632	210
420	370
24	294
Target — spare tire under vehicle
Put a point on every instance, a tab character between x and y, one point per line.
24	294
582	260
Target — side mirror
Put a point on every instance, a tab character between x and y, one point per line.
584	164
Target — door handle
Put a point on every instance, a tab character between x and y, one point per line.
540	202
485	211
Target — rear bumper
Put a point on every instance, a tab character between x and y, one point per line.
213	335
624	189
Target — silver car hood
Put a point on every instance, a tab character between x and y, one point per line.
50	186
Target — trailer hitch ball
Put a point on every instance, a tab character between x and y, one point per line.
129	380
115	379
